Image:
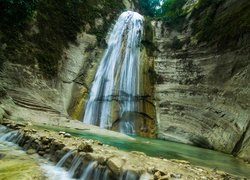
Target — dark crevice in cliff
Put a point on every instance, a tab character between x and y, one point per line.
201	142
238	146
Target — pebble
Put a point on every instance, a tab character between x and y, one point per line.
41	153
67	135
33	130
176	176
31	151
61	132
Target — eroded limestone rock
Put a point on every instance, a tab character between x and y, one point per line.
115	164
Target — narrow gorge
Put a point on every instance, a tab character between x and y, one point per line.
132	89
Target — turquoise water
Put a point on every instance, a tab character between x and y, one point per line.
171	150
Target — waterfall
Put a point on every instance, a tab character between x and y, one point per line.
88	170
75	164
128	175
117	81
64	158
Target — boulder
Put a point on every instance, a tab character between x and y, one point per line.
41	153
61	132
84	147
115	164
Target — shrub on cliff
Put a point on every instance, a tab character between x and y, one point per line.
15	12
172	12
222	27
173	8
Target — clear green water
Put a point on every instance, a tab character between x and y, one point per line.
170	150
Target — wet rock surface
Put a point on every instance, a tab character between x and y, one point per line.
16	164
84	147
118	163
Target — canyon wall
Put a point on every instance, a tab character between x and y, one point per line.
202	89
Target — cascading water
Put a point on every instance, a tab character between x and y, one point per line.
16	158
117	82
78	167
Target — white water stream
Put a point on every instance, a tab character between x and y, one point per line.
118	76
84	170
8	140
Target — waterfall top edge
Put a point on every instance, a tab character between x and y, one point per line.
132	13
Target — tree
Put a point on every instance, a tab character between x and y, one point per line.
150	7
173	8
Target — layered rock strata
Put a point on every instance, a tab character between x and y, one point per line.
202	92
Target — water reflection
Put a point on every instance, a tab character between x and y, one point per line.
171	150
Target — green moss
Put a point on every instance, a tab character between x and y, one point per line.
14	13
225	28
148	30
147	40
205	11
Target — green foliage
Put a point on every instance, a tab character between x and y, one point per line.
148	37
61	21
176	44
172	12
57	23
205	11
173	8
15	12
150	7
223	29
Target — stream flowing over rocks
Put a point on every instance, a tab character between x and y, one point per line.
15	163
90	159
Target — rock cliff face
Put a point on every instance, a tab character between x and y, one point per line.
202	90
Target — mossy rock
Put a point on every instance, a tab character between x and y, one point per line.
84	147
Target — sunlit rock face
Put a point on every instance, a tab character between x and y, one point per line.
118	98
79	64
203	93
